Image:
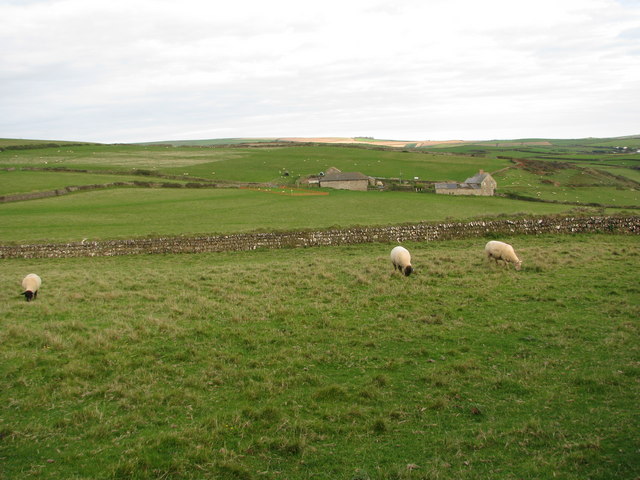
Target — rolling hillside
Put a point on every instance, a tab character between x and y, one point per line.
186	188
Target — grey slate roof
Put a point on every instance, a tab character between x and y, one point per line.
471	183
477	178
343	177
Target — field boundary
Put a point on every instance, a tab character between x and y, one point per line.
421	232
21	197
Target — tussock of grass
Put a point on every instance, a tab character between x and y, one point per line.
238	366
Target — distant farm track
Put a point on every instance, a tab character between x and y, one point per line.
347	236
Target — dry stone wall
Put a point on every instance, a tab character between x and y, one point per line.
20	197
422	232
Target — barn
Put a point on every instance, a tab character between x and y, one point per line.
345	181
480	184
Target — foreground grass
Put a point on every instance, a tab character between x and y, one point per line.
321	363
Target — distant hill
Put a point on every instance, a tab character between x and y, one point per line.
210	142
631	142
20	143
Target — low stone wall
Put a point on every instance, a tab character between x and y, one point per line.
20	197
390	234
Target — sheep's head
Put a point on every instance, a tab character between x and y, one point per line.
28	295
518	265
407	270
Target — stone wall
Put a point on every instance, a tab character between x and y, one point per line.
422	232
483	192
20	197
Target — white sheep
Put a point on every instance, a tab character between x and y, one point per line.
31	284
502	251
401	259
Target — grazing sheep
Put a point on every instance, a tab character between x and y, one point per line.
31	283
401	259
502	251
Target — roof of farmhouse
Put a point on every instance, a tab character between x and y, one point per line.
344	176
477	178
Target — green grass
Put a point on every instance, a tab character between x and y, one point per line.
564	186
115	157
253	164
632	174
124	213
322	363
21	181
12	143
563	164
602	196
140	212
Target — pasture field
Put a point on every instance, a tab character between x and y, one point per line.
131	212
13	143
546	146
24	181
570	185
323	363
587	172
265	164
121	213
630	173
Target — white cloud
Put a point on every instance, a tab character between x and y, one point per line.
149	70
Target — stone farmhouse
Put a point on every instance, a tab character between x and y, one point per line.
480	184
334	178
346	181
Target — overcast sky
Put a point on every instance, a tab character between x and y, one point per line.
147	70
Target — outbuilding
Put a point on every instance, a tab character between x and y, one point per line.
480	184
345	181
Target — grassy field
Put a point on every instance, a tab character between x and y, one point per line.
19	143
322	363
570	185
630	173
253	164
121	213
21	181
125	213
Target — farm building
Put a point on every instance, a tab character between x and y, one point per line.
334	178
480	184
345	181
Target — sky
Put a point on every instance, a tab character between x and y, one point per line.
118	71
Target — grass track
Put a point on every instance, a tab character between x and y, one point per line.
321	363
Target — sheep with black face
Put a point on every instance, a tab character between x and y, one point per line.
31	284
401	260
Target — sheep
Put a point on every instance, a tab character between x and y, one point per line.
31	283
401	259
502	251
